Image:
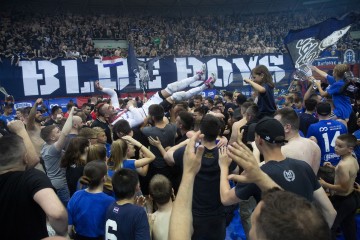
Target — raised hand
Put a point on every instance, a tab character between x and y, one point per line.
98	86
224	160
16	126
192	158
155	142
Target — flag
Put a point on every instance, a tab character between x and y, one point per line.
305	45
142	69
112	61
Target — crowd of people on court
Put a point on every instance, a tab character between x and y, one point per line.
177	165
41	35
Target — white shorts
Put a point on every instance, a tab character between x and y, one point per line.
155	99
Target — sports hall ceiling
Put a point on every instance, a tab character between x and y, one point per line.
194	6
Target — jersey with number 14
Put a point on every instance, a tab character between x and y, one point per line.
326	132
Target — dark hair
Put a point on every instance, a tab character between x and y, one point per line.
94	173
54	109
87	132
289	116
210	100
200	110
285	215
12	150
156	111
349	139
122	128
160	189
298	99
186	119
229	94
210	127
85	105
241	99
221	102
124	182
261	69
46	132
252	110
198	97
74	151
310	104
69	106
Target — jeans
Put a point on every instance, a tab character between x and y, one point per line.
63	194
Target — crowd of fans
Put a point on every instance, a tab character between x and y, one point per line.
65	35
187	148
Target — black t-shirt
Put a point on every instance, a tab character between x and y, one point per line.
21	216
106	128
305	121
206	195
73	174
292	175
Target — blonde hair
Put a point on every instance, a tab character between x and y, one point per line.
96	152
98	130
339	70
119	150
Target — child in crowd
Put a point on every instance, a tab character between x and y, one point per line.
124	219
344	198
102	139
342	104
87	208
261	81
122	150
162	194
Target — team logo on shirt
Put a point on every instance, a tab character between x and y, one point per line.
323	129
289	175
116	210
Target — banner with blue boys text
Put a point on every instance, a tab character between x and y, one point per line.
72	78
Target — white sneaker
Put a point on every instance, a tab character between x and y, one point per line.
201	73
210	81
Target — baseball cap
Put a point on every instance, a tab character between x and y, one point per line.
323	108
271	130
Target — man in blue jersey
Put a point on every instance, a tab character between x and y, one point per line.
124	219
325	133
342	104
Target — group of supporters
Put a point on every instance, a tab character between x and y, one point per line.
177	165
49	35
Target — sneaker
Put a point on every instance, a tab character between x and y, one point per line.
200	74
210	81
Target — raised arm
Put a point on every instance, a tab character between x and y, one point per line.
60	144
31	121
142	165
318	71
156	143
113	95
181	217
256	86
169	156
18	127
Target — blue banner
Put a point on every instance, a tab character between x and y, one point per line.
71	78
305	45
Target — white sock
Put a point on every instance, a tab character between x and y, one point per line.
181	96
180	85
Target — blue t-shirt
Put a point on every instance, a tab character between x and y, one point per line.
342	104
126	221
127	163
266	102
87	212
7	119
357	148
326	132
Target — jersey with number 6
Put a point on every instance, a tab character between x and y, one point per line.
126	222
326	132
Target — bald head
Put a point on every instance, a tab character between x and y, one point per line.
77	122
